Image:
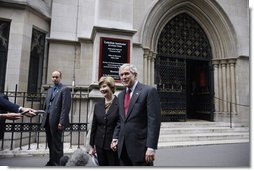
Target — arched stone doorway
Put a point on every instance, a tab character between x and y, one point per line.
221	35
182	70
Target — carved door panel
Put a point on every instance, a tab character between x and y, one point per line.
184	56
172	88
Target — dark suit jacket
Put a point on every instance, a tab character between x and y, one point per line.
8	106
103	124
60	107
140	129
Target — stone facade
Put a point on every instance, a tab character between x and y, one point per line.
74	28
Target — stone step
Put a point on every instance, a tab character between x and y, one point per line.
198	143
203	137
190	130
200	124
202	133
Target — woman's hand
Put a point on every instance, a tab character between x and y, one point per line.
91	151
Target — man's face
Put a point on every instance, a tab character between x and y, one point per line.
128	79
56	78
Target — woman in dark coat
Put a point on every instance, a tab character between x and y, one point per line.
104	121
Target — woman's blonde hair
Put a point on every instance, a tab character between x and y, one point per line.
109	81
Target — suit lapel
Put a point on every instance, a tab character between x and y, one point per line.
57	91
52	95
134	98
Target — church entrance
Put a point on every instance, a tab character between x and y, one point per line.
183	71
198	90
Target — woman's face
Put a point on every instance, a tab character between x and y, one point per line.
105	90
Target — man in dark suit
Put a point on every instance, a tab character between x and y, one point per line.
137	132
57	107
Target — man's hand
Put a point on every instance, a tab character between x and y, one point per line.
30	113
113	145
60	126
150	156
11	116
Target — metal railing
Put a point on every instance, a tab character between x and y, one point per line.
230	108
27	131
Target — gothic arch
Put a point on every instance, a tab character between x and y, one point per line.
208	14
221	35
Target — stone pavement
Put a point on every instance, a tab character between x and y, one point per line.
223	155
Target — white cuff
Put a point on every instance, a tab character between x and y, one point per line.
151	149
20	109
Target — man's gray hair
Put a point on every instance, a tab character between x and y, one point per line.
132	68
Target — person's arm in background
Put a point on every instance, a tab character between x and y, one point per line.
66	106
11	116
9	106
154	121
92	149
114	142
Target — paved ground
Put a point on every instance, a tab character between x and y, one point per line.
227	155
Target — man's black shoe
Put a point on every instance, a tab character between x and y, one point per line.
50	163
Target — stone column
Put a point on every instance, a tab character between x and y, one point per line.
152	67
149	69
146	53
228	87
220	88
233	89
216	85
224	85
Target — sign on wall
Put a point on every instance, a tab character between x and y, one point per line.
113	53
